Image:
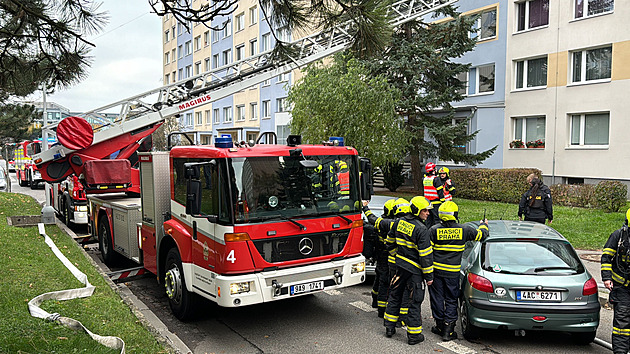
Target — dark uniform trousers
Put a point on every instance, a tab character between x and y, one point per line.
404	307
381	280
444	294
415	285
620	298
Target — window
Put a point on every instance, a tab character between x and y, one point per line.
592	64
166	58
239	22
227	57
281	104
266	109
252	136
188	71
485	78
174	76
167	79
180	74
215	61
197	68
188	120
486	25
180	28
283	77
188	47
463	78
586	8
282	132
227	114
206	38
240	112
198	118
167	36
266	42
173	55
197	43
532	14
216	115
253	15
240	52
253	47
180	51
253	111
529	128
283	34
215	36
266	82
208	117
531	73
227	30
590	129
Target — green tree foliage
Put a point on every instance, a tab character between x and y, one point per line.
419	63
342	100
42	41
14	122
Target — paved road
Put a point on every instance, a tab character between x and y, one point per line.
333	321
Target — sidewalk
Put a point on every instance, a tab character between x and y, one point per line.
591	260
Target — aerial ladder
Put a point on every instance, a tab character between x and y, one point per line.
139	116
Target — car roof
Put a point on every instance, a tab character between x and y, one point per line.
500	229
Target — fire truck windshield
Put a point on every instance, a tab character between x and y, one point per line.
262	188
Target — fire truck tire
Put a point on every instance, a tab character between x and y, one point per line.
21	181
66	214
180	300
105	241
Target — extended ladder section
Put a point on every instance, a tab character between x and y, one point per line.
153	107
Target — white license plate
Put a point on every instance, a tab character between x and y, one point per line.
538	296
307	287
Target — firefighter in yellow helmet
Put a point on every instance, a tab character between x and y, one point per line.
381	225
433	191
447	183
414	266
616	276
448	239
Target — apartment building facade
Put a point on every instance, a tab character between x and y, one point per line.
248	113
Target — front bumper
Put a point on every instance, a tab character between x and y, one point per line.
271	285
574	318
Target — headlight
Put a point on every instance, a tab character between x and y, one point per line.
80	207
358	267
239	288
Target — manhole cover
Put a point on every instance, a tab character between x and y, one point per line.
593	257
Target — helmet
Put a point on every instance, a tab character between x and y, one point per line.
429	167
418	204
333	206
388	207
448	211
402	207
444	170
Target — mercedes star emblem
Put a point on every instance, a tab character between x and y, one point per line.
305	246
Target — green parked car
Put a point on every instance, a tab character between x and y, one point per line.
527	276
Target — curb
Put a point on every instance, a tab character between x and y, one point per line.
139	309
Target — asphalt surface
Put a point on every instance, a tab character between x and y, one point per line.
333	321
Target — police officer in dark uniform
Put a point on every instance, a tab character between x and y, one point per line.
382	226
414	266
448	239
616	277
536	204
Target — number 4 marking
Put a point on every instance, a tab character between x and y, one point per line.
231	257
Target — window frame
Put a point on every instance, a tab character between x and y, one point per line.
477	81
227	114
240	113
265	109
523	136
281	103
239	22
253	46
265	42
208	116
526	72
188	48
583	66
585	14
197	43
582	133
239	52
253	111
198	118
216	115
526	27
227	30
478	31
253	15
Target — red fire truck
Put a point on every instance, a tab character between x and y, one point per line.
238	223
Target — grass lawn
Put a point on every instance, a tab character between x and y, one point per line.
584	228
29	268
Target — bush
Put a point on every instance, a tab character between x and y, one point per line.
392	176
574	195
610	195
500	185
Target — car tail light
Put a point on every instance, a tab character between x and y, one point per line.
590	287
480	283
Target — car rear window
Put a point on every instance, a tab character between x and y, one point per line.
530	256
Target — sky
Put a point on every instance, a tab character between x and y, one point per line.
127	59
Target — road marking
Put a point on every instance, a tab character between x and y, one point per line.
333	292
457	348
363	306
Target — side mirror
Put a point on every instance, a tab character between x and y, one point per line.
367	186
191	171
193	197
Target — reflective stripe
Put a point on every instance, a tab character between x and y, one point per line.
368	213
609	251
374	292
404	310
391	259
430	192
408	244
382	304
390	318
607	266
425	252
621	331
427	270
408	261
618	278
414	330
449	248
447	267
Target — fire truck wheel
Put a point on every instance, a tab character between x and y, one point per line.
22	181
105	241
65	213
180	300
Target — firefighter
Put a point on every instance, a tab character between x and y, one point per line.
381	225
448	239
414	266
401	208
449	187
536	204
433	191
616	276
340	178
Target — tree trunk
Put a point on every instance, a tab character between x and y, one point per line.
414	155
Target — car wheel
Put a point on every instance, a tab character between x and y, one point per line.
583	338
469	330
179	299
105	242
